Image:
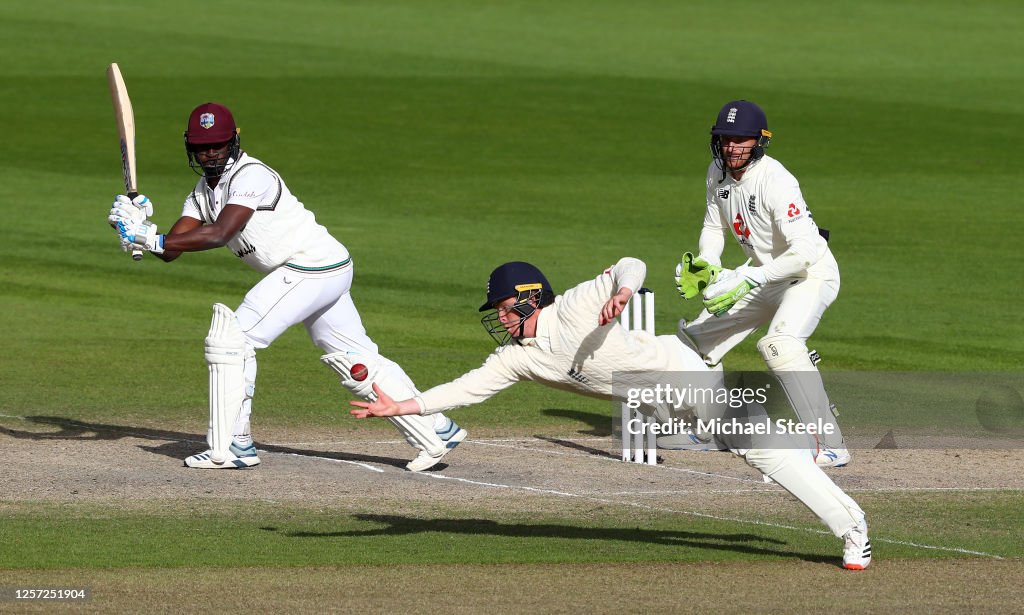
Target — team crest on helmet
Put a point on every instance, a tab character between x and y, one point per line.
732	116
206	120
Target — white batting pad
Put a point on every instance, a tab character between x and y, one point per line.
225	356
417	429
787	358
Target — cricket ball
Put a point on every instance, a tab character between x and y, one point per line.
359	372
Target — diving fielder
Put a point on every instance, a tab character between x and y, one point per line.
793	278
243	204
575	342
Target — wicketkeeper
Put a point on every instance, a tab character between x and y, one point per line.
790	277
575	342
243	204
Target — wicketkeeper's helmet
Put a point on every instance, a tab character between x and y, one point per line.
530	288
211	124
740	118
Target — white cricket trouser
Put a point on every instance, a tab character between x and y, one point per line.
283	299
791	307
785	459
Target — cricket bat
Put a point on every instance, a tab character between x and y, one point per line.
126	130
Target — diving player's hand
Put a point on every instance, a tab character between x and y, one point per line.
384	405
614	306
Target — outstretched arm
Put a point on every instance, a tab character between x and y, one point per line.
384	405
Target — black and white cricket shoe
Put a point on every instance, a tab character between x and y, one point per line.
238	457
857	554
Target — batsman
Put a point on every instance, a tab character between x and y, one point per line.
792	280
242	204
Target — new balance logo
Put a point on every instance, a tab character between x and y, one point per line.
723	193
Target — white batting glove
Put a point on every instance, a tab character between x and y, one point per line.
133	210
140	236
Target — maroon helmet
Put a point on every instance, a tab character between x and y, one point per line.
211	124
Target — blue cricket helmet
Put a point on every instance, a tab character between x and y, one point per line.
740	118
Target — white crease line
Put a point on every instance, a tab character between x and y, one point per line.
692	513
501	486
331	459
610	457
498	443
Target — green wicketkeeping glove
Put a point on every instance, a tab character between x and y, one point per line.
693	275
732	287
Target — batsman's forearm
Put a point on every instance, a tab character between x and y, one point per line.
196	240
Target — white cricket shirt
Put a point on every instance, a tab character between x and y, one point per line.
765	212
281	232
571	351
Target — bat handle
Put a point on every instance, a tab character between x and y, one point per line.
136	254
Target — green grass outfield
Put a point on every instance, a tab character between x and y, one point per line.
439	139
275	534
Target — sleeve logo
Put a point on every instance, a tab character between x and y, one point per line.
793	210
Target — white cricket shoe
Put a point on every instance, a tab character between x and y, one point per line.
237	457
857	554
832	457
451	436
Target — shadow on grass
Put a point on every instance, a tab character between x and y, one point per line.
576	446
597	424
398	525
180	444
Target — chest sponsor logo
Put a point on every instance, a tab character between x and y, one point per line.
723	193
740	226
243	195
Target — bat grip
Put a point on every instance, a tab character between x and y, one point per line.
136	254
